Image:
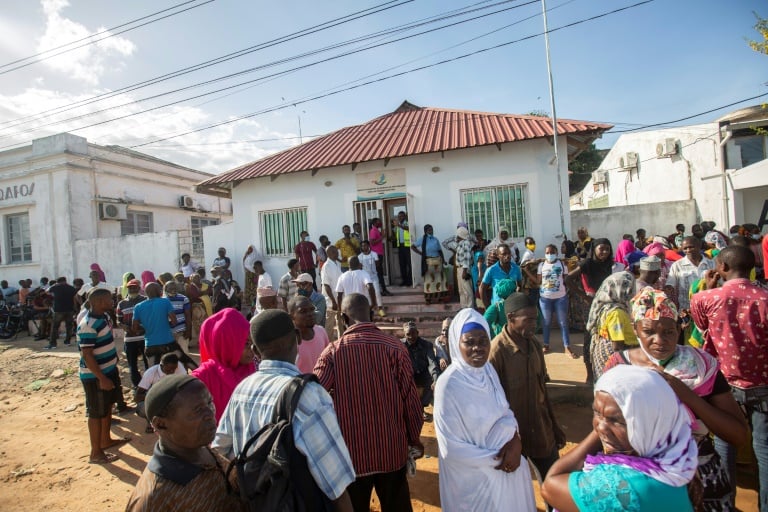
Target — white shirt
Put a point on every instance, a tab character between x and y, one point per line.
552	279
330	274
354	281
683	273
368	261
265	281
153	375
190	268
88	287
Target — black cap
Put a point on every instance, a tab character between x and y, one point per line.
162	392
270	325
516	302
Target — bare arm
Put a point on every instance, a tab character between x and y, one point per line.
343	503
555	489
372	295
485	294
329	293
90	362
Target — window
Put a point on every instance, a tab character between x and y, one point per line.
494	207
752	149
136	223
19	240
198	223
281	229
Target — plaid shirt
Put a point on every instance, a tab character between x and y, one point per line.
315	427
464	254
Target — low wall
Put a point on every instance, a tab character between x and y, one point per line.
657	219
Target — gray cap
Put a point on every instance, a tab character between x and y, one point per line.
650	263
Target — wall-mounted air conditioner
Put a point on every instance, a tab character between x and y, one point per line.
113	211
628	161
665	148
187	202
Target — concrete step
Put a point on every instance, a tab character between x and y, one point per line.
427	330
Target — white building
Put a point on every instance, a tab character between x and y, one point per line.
712	171
66	203
440	166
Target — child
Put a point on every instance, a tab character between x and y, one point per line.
368	260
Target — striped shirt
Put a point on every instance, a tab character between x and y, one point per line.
180	305
370	377
315	428
96	332
124	314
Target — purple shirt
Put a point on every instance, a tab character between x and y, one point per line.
377	247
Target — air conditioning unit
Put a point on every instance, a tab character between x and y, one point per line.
187	202
113	211
628	161
665	148
600	177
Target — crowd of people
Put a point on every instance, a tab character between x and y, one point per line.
675	343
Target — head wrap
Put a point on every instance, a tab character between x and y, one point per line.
223	337
124	288
163	391
614	293
250	259
658	425
624	248
462	224
517	301
147	277
504	288
462	232
96	268
654	249
483	377
652	304
266	292
471	326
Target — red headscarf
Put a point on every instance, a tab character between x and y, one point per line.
223	337
147	277
96	268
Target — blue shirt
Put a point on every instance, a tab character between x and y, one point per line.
152	314
433	246
96	332
495	273
180	305
316	431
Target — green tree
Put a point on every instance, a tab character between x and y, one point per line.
582	166
762	28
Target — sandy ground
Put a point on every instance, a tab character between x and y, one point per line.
44	441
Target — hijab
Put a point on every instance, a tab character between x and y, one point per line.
223	337
97	268
124	288
594	270
250	259
658	426
615	292
624	249
147	277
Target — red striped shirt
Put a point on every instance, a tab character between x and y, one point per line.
369	375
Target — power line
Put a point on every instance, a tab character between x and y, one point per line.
271	64
211	62
93	41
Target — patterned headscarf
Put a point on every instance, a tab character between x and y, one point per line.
652	304
615	292
654	249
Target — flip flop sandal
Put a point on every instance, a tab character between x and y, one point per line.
108	459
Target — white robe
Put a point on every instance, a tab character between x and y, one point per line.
473	421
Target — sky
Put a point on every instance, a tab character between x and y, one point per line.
306	73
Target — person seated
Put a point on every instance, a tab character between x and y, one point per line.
169	365
640	455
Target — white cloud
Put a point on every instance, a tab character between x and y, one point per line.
200	150
89	63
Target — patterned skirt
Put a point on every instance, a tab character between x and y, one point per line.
716	492
435	284
249	294
600	350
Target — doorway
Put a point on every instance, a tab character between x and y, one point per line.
392	207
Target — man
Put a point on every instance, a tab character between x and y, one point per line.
313	337
156	316
426	367
182	328
304	288
369	261
306	253
686	270
188	266
464	267
223	260
442	350
169	365
316	430
63	310
370	377
347	246
10	293
376	241
287	287
95	282
402	236
41	308
505	268
356	280
518	358
733	319
329	276
183	472
99	374
263	282
357	229
267	299
650	271
583	243
134	340
24	290
322	255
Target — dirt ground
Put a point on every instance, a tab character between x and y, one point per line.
44	441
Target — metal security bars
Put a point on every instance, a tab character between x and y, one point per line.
19	239
281	230
491	208
196	228
137	223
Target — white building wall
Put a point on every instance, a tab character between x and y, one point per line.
433	196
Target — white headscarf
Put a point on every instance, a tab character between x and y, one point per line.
250	259
658	425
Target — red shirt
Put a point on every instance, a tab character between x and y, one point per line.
369	375
734	321
304	252
377	247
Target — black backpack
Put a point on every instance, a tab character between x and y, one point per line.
272	474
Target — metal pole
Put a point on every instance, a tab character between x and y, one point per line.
554	118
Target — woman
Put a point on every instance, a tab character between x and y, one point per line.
648	453
479	446
250	257
609	324
432	261
553	297
591	273
96	268
205	293
124	287
495	315
695	377
197	309
570	258
478	263
623	251
147	277
226	357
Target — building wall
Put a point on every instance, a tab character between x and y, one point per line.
613	222
433	197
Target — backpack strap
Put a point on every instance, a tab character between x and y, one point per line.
288	399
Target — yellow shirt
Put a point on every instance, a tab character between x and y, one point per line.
347	248
617	326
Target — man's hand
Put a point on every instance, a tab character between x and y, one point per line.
509	455
419	447
443	364
106	384
710	279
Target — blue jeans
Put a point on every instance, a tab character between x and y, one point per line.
757	415
561	307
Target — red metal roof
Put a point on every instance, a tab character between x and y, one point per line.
409	130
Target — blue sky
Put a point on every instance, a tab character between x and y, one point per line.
652	63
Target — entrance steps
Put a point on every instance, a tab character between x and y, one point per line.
407	304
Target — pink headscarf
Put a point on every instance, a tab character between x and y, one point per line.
147	277
95	267
654	249
223	337
624	249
